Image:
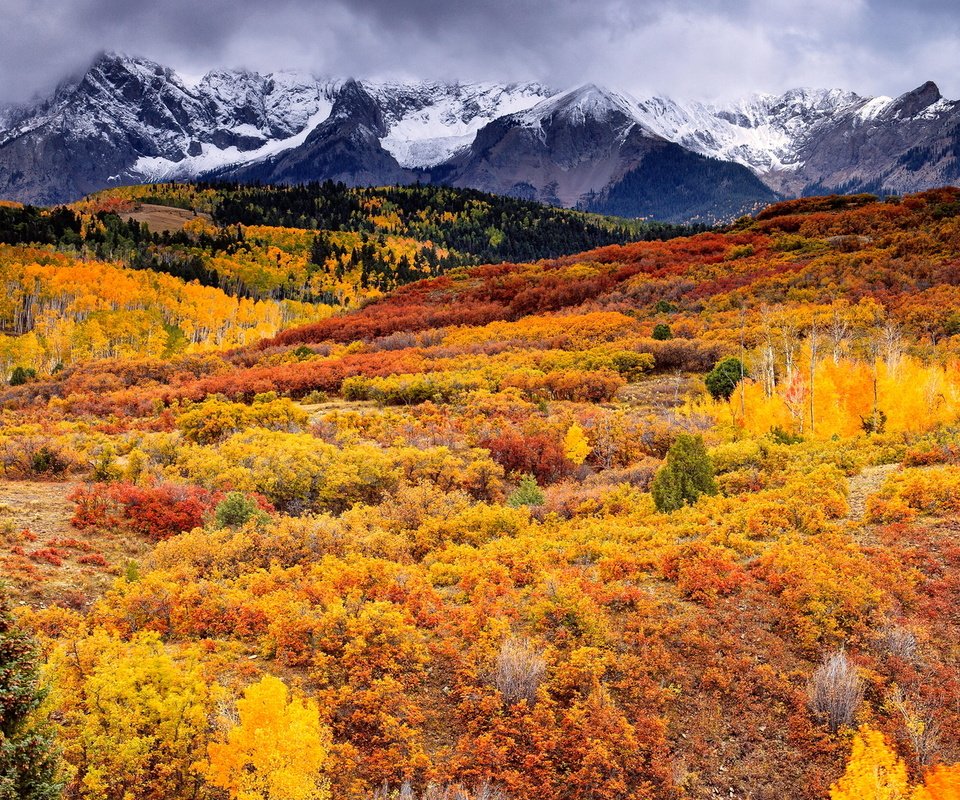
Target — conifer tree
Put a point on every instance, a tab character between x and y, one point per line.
724	377
686	475
28	757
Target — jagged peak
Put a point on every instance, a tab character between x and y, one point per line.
354	102
916	101
588	101
110	59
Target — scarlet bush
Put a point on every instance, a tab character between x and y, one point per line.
539	455
157	512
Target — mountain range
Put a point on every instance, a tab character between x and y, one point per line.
129	120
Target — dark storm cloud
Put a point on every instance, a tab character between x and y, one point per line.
702	48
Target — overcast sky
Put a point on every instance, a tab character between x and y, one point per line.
688	48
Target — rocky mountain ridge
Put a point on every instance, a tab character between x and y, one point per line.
130	120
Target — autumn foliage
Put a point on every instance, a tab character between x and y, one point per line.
495	534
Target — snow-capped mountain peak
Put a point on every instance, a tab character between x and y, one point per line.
129	119
760	131
577	106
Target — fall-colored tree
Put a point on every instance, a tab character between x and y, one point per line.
575	444
940	783
133	719
874	771
277	749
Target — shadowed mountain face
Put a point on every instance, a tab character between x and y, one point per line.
344	147
128	120
587	149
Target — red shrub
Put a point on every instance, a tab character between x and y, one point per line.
49	554
157	512
703	571
93	560
539	455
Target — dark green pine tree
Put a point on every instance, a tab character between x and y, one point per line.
686	475
724	377
29	767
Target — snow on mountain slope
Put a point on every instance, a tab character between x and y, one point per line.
588	102
212	158
429	122
269	114
269	106
129	119
761	131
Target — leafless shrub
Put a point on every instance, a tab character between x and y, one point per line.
923	730
400	340
835	691
436	791
519	670
639	474
900	642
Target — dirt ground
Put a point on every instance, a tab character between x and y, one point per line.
44	560
659	392
161	219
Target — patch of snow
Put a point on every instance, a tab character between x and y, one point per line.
934	110
760	131
874	108
213	158
427	123
246	129
413	153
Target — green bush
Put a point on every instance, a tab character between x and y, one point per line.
724	377
235	510
528	493
47	460
665	307
686	475
22	375
28	755
662	332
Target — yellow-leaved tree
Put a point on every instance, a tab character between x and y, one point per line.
132	717
874	771
575	444
278	750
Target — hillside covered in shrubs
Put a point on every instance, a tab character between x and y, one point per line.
659	520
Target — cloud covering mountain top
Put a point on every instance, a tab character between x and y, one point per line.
694	48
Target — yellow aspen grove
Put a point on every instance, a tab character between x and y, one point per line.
575	445
942	783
